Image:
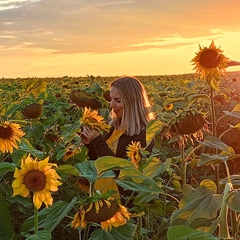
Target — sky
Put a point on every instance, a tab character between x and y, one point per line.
55	38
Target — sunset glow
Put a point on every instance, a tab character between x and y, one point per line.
107	38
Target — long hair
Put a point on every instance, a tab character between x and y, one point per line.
136	105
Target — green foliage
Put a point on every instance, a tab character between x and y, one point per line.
164	207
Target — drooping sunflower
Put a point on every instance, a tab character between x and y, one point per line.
119	219
108	212
10	135
187	123
210	63
92	119
82	184
38	177
134	153
84	99
32	111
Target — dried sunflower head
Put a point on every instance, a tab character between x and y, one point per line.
84	99
187	122
108	212
32	111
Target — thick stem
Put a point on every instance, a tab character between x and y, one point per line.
223	226
183	163
214	131
35	219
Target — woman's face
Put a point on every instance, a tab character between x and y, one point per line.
116	102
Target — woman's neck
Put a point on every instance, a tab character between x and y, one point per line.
118	125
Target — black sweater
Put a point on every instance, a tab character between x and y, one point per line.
99	148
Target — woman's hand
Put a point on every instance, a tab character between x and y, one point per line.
88	134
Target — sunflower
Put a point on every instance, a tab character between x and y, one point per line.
84	99
210	64
105	211
37	177
82	184
10	134
92	119
188	122
168	107
119	219
70	153
32	111
134	153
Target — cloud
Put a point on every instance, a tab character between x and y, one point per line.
107	26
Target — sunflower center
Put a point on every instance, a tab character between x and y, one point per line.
209	59
35	180
6	132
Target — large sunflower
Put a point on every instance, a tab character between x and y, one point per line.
38	177
92	119
10	134
134	153
105	211
210	64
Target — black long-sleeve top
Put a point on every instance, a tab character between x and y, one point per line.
99	148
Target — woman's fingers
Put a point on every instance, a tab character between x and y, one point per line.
88	134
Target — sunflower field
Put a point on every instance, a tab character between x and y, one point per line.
187	188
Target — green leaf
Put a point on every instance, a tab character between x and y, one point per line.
232	114
57	212
200	203
34	86
172	100
205	224
61	153
214	83
88	170
154	167
145	197
153	128
233	199
66	168
35	132
182	233
214	142
6	228
6	167
207	159
17	155
106	163
26	146
120	233
28	224
43	235
191	97
134	180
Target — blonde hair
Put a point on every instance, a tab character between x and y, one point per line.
136	105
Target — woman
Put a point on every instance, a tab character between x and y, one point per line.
129	117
